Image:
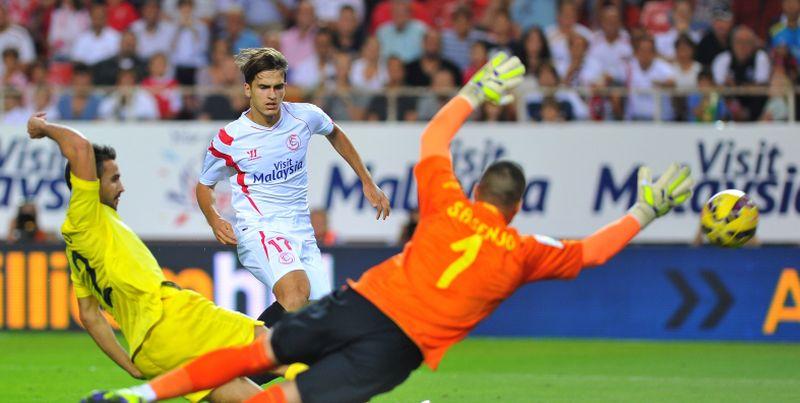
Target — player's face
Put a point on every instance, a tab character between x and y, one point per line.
110	184
266	93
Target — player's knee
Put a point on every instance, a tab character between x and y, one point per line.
293	302
293	290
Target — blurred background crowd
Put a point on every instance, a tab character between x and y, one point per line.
672	60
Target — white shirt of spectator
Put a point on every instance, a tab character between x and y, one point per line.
642	106
457	50
203	9
613	56
665	41
328	10
159	40
91	49
559	42
591	71
580	110
405	44
266	168
374	83
17	37
309	74
190	46
722	63
65	27
687	78
257	12
140	106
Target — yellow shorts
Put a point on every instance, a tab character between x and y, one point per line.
190	326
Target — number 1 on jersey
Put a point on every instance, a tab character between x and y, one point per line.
470	246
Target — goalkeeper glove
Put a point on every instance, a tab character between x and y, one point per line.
494	81
656	199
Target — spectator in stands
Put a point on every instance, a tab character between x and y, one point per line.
330	11
237	33
261	14
190	46
534	50
271	39
153	34
686	71
204	10
571	105
297	43
758	15
99	43
777	107
458	39
559	33
743	65
647	72
13	71
190	107
14	110
68	21
681	19
15	36
581	71
420	72
403	36
161	84
502	34
610	46
786	32
320	68
121	14
706	105
128	101
528	14
79	102
348	36
368	72
715	40
222	71
337	98
443	85
478	56
404	105
42	101
106	72
322	231
24	228
382	14
551	111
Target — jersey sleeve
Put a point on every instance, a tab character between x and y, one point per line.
215	168
84	204
545	258
318	121
81	290
437	185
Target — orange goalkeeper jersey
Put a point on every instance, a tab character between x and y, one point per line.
461	263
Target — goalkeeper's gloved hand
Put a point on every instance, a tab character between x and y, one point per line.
656	199
494	81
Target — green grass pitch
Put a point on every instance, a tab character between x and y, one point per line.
60	367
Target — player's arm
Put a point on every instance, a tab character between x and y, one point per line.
98	327
653	200
493	82
342	144
73	145
223	230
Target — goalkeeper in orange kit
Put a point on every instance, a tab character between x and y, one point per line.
462	262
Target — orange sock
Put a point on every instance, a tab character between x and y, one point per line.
212	370
273	394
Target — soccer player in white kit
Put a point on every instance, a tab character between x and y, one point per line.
263	155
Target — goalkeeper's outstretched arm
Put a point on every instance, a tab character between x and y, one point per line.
493	82
653	200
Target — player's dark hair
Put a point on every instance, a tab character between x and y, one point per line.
252	61
101	154
502	184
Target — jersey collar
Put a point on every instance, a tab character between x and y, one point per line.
255	125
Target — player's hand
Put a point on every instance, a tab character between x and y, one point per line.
223	231
656	199
134	372
495	81
37	125
378	200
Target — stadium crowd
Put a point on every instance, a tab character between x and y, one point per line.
400	59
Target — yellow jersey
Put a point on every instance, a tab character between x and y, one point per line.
108	261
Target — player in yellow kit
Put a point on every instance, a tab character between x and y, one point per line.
164	325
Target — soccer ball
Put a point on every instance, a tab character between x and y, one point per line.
729	218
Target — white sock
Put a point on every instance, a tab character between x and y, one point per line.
145	391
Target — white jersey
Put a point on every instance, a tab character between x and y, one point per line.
266	167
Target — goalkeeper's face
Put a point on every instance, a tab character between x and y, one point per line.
266	93
110	184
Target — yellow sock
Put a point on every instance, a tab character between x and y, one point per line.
294	370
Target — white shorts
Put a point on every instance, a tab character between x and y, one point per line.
271	255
